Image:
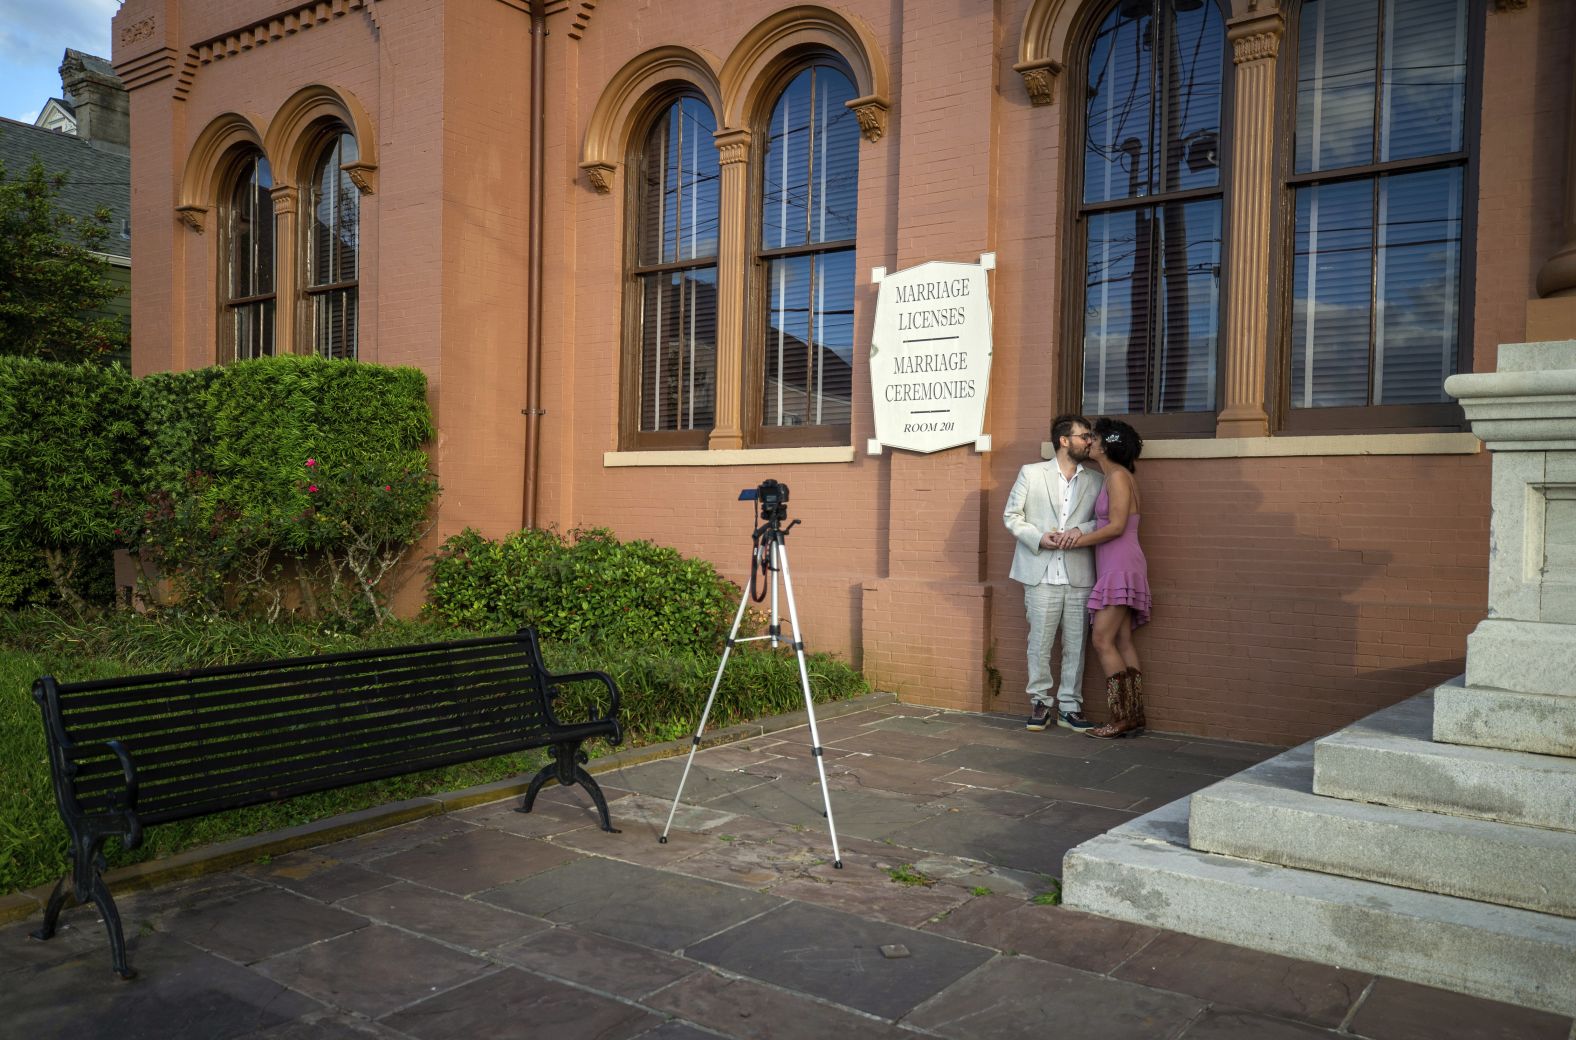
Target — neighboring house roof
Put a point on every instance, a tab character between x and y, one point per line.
58	114
94	177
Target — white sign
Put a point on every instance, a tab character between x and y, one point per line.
930	355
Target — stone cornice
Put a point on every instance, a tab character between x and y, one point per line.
579	12
267	30
148	68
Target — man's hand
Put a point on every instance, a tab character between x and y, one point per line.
1068	539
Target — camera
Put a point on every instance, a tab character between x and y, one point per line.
771	500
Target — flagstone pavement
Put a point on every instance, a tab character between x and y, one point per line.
941	923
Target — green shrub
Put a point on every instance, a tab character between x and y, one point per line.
588	587
69	438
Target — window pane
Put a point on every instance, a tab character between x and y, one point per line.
1189	119
334	323
1425	74
1332	293
1336	57
335	217
1117	315
252	329
1418	276
1189	309
679	186
678	350
809	340
810	168
1117	157
251	229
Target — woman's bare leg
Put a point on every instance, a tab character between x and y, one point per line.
1108	622
1124	645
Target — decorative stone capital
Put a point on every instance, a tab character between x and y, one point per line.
600	174
733	146
364	175
192	216
284	197
1039	78
1256	37
871	111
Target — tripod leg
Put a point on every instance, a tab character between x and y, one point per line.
809	705
727	650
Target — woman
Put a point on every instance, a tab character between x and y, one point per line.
1120	600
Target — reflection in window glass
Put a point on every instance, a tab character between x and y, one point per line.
809	199
333	242
676	269
248	307
1153	111
1376	263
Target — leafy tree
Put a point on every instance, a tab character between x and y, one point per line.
52	285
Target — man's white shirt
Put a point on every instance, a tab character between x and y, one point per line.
1056	573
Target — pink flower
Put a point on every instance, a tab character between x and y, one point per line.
388	487
311	489
310	463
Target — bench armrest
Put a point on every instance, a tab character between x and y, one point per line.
551	683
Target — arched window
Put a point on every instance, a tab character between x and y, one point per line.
1380	192
333	232
246	281
673	270
809	201
1151	212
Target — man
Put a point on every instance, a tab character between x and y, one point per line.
1049	501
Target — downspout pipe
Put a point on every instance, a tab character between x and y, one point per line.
533	328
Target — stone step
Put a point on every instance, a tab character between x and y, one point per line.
1390	758
1144	872
1535	722
1270	813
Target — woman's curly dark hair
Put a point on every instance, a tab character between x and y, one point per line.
1121	442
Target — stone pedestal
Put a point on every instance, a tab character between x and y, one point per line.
1519	692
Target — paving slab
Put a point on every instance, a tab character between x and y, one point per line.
478	859
747	1010
637	904
1397	1010
1037	843
1086	770
838	957
894	743
704	783
597	962
1220	1023
448	918
317	876
1247	979
868	885
260	924
1016	997
1048	933
182	993
512	1003
864	814
372	971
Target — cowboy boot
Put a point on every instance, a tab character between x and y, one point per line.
1135	684
1116	699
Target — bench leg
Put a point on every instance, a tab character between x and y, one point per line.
117	941
57	903
566	769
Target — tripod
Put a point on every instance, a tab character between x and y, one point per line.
770	554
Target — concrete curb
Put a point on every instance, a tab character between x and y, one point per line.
209	859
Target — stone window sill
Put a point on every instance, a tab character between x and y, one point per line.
732	457
1290	447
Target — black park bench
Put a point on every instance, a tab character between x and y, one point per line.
132	752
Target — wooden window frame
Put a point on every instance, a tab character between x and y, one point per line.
1445	416
631	437
757	295
1161	425
239	166
305	318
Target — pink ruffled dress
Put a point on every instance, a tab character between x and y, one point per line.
1122	573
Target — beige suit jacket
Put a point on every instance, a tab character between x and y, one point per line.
1032	511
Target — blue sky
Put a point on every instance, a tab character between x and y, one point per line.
34	35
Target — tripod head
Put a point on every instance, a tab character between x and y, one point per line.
771	510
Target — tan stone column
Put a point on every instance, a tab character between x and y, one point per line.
733	260
1255	41
287	210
